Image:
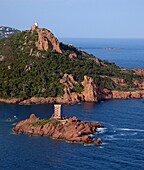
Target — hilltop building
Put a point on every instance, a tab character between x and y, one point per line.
34	26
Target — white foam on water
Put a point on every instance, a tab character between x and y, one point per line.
89	144
118	137
128	134
101	147
106	123
101	130
91	135
127	129
109	136
123	139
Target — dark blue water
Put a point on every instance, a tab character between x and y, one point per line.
123	135
130	55
123	138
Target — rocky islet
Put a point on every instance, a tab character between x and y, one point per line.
72	129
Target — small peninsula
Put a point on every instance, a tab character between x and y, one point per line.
58	127
36	68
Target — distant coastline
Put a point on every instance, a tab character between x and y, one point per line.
105	48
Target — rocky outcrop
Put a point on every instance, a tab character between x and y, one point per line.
73	56
11	101
127	95
138	84
69	96
119	81
90	90
46	40
104	94
68	81
38	100
72	130
139	72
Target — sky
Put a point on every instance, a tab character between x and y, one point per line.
77	18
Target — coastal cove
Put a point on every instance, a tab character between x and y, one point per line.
122	138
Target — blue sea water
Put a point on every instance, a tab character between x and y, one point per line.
130	53
123	135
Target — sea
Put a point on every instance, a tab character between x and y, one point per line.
122	137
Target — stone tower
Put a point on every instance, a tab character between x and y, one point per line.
57	111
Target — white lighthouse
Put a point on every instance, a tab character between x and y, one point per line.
35	26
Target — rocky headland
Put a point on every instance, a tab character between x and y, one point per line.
36	68
72	129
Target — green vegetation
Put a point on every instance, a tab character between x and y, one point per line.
46	121
78	88
24	75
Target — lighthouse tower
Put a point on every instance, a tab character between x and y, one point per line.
36	24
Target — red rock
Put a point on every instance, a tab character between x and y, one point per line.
73	56
139	72
89	92
128	95
119	81
12	101
121	95
140	85
74	130
98	142
47	41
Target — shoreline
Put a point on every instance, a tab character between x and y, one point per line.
62	100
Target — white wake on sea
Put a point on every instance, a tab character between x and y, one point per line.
127	129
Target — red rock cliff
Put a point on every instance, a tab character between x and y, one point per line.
46	40
89	92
